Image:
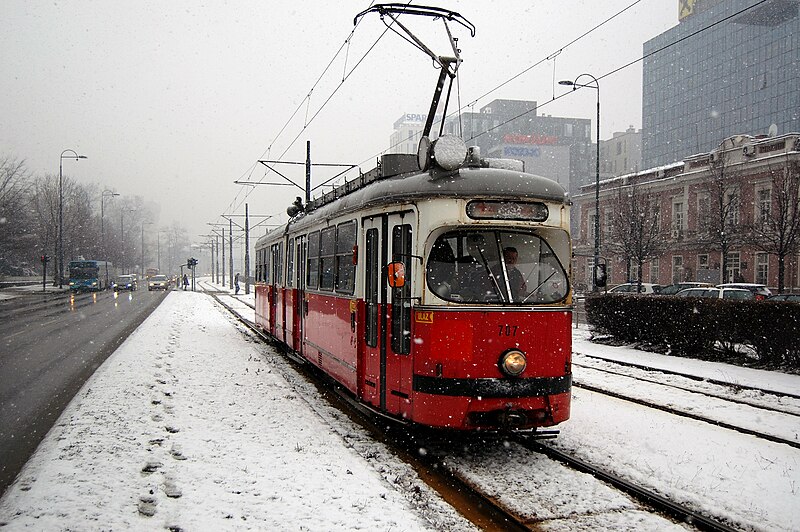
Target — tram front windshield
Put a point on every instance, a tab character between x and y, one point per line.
507	267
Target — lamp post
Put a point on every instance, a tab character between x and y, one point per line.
108	193
143	224
158	251
61	212
122	235
574	84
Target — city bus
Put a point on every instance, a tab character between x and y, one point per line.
91	275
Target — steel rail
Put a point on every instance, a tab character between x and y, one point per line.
644	495
690	390
480	509
693	377
696	417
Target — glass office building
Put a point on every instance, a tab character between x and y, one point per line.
730	67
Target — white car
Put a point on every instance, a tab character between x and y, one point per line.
759	290
632	288
717	293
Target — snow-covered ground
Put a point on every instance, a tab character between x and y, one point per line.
191	424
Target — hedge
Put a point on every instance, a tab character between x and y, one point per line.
702	327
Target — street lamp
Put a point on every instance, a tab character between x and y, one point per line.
61	212
143	224
158	249
122	235
108	193
596	86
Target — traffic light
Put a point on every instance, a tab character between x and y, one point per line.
191	263
45	259
600	275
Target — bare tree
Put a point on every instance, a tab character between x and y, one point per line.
720	228
15	185
45	217
776	227
635	229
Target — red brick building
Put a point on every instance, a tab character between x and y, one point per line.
741	198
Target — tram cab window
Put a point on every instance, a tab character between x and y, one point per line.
506	267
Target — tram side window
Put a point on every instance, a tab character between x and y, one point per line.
345	269
265	265
401	297
327	258
312	261
290	263
372	273
262	266
277	263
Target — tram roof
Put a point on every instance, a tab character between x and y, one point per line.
467	182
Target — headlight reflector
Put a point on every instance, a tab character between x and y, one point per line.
513	362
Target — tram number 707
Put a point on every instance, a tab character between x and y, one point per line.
508	330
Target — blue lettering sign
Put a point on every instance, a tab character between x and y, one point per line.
415	117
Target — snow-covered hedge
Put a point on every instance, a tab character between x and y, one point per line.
709	328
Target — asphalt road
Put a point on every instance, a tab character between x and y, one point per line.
49	347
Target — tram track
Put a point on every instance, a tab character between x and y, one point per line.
786	417
645	496
717	382
722	396
485	510
482	511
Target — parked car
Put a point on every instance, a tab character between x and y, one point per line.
631	288
785	297
125	282
158	282
717	293
672	289
759	290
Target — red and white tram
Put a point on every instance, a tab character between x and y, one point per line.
441	297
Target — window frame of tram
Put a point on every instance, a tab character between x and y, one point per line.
371	286
447	268
277	263
265	277
290	263
344	266
312	261
401	297
327	259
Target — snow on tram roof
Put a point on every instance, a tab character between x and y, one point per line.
465	182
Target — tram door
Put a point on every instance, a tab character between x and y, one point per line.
387	364
299	305
277	317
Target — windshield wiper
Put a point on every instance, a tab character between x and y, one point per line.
538	287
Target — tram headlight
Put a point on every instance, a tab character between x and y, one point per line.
513	362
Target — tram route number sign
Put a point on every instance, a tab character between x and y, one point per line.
423	316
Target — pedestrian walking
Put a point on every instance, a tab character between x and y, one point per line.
236	284
185	282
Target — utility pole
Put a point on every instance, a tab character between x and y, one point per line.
246	251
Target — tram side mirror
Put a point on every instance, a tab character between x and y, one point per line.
396	274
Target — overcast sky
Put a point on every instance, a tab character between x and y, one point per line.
175	100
